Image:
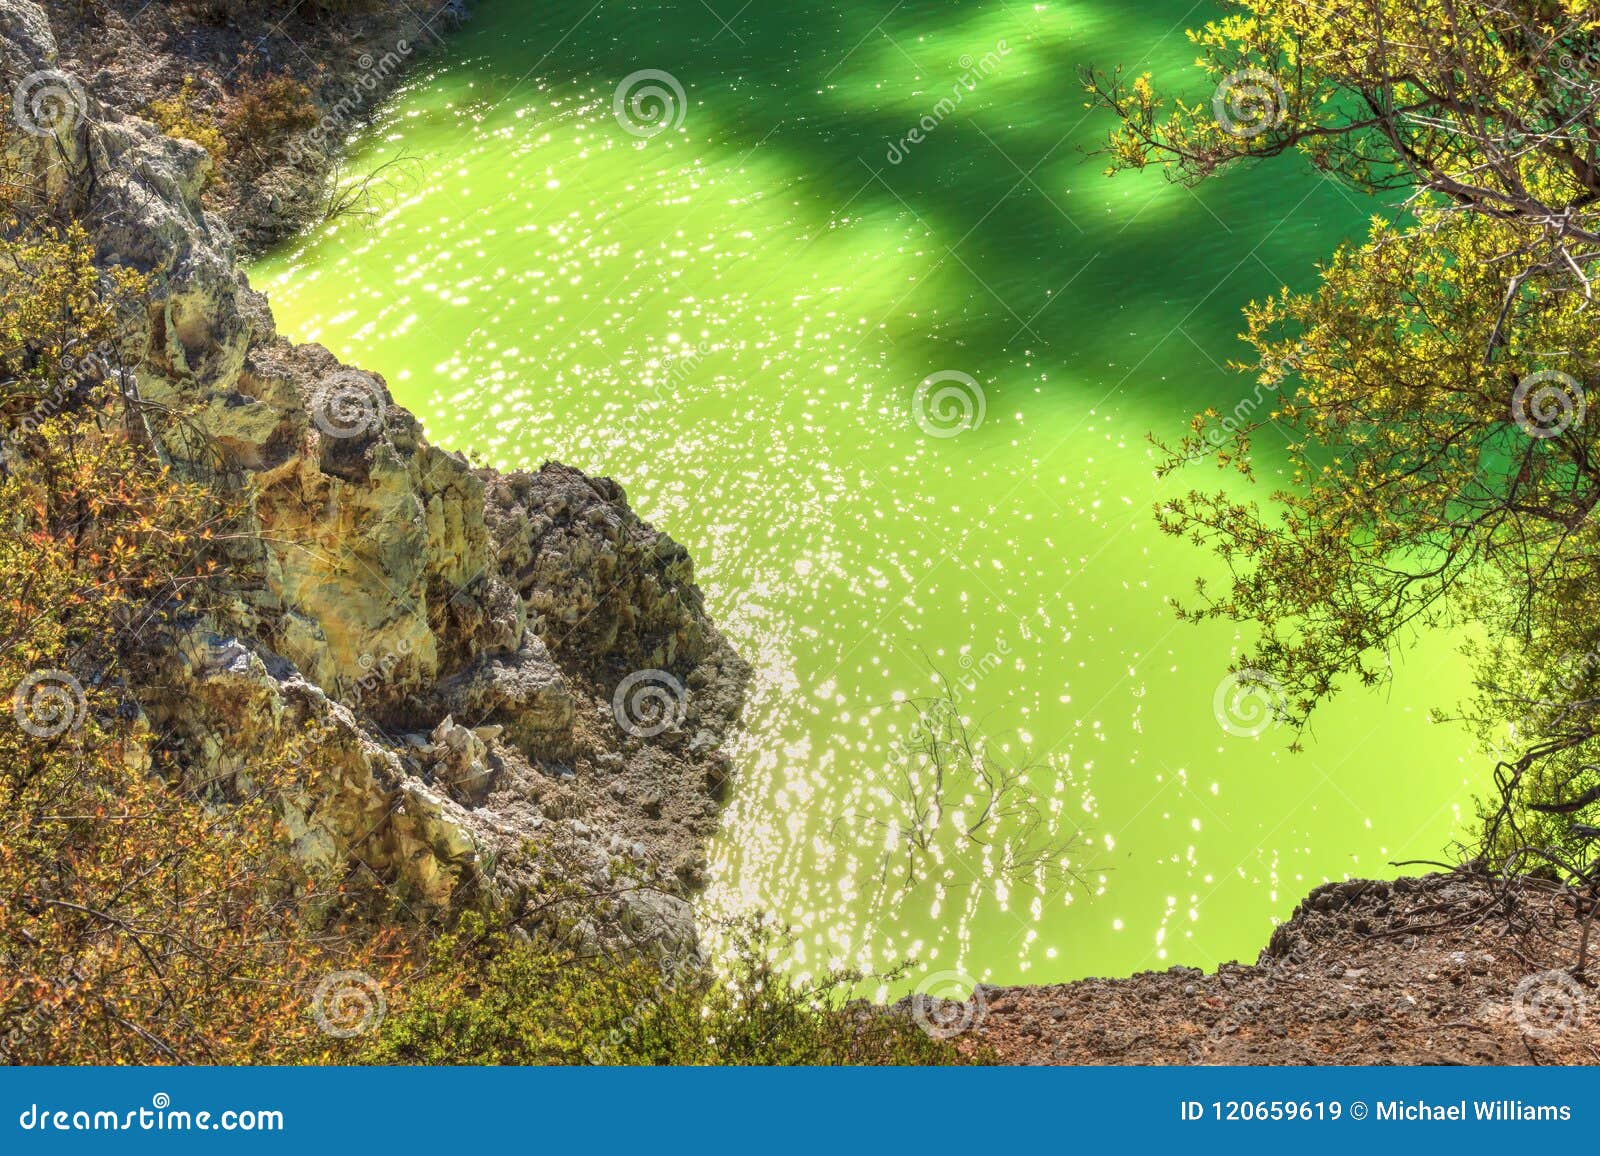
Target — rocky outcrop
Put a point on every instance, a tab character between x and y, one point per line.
481	679
132	53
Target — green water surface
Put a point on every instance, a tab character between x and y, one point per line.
732	315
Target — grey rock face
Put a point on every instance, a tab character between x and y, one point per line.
386	587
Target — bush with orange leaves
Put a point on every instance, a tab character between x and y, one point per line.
144	917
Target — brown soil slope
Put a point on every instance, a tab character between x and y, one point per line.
1435	970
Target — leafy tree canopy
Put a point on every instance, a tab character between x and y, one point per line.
1437	384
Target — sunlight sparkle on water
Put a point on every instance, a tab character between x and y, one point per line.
732	319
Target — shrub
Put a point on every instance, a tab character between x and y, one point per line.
266	115
179	116
485	1000
140	920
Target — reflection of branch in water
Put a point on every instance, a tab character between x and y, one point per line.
952	794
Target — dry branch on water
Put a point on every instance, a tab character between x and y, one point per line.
954	797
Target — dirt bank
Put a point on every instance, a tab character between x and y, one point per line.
1442	969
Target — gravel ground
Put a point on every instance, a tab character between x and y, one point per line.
1431	970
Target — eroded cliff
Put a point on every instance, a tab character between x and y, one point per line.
490	682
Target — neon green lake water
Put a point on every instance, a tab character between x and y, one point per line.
732	316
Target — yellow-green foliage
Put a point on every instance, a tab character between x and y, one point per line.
1439	387
182	116
486	1001
144	917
